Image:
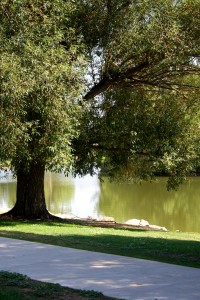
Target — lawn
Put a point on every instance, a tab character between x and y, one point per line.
15	286
172	247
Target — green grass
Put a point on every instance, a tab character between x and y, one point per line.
171	247
14	286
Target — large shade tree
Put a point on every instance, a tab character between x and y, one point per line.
89	84
41	83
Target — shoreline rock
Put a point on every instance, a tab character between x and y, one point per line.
137	222
106	221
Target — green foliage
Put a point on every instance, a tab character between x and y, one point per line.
136	134
141	60
140	42
40	83
146	119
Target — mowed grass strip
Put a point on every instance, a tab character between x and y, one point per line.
14	286
172	247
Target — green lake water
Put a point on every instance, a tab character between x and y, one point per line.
87	196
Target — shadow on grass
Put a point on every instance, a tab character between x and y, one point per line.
15	286
181	252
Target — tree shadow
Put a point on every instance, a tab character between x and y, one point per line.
88	270
173	251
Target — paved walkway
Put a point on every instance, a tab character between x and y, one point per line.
116	276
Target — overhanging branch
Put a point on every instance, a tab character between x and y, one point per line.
141	75
113	79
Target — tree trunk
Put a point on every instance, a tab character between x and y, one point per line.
30	203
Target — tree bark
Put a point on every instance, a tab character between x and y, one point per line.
30	202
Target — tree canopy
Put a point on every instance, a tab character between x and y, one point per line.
98	84
143	99
136	43
41	83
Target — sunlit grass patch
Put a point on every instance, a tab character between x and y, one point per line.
172	247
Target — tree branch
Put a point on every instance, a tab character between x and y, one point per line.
113	79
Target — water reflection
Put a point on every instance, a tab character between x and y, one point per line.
77	196
7	191
176	210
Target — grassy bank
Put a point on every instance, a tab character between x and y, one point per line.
171	247
14	286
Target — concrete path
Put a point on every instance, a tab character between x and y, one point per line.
116	276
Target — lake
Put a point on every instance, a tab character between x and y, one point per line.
87	196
